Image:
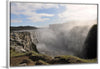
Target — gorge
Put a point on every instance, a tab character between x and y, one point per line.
58	39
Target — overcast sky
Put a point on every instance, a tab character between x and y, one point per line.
43	14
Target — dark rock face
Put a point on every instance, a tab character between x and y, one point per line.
21	42
90	45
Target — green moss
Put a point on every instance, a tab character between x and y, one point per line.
14	53
73	59
42	59
41	62
32	53
37	56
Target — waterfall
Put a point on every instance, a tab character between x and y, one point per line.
59	40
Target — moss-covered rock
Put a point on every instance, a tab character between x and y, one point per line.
36	57
41	62
65	59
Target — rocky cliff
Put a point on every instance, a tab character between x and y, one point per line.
24	45
90	45
22	42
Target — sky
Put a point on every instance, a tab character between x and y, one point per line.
43	14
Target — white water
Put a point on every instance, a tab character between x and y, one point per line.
61	39
58	40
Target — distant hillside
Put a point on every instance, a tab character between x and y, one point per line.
22	28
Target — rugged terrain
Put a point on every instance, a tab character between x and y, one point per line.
24	52
33	58
22	42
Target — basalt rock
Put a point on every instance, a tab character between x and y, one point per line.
22	42
90	45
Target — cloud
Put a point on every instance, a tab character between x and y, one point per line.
34	17
78	13
37	19
72	12
16	21
18	8
29	9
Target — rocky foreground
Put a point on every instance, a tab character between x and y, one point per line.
23	52
32	58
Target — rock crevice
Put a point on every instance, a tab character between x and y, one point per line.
22	42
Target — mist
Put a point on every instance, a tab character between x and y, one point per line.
62	39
